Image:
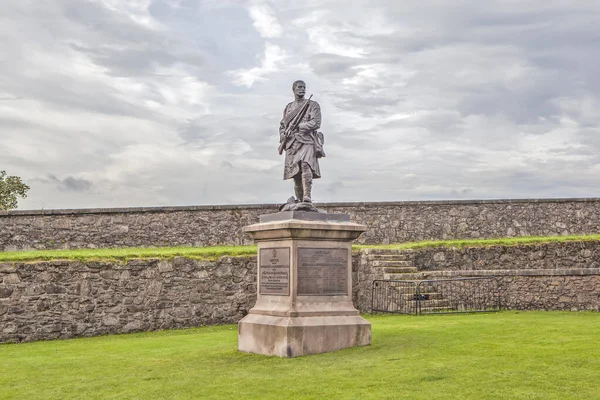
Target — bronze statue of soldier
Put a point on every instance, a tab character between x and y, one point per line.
302	143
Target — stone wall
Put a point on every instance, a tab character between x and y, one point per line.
363	275
391	222
543	256
63	299
132	227
549	276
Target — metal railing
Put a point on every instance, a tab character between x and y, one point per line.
437	296
394	297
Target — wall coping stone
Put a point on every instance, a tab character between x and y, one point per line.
427	275
163	209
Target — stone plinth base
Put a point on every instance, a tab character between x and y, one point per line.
299	336
304	298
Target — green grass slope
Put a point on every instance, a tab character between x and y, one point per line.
215	252
123	254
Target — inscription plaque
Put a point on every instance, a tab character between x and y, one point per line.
274	274
322	271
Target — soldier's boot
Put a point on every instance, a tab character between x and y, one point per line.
298	189
307	183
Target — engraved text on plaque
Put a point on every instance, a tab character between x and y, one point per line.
274	271
322	271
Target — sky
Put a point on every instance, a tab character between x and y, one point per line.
123	103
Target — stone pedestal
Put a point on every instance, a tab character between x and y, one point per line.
304	300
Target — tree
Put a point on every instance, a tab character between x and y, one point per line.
10	188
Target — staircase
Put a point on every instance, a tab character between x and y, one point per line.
396	266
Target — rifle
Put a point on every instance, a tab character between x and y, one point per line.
289	131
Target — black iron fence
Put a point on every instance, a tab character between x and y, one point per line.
438	296
394	297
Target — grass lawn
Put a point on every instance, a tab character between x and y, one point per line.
215	252
507	355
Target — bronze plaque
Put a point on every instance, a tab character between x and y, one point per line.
274	271
322	271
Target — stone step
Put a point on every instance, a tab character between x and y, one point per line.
412	276
408	305
400	270
429	296
409	292
437	309
435	303
427	275
372	252
398	263
393	305
389	257
424	303
405	276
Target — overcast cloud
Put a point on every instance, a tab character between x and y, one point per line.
112	103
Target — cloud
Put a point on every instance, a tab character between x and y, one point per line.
326	64
264	19
68	184
269	63
169	102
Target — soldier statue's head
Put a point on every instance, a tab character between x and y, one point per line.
299	89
